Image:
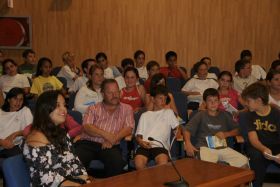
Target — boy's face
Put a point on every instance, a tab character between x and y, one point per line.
140	60
212	103
31	58
253	104
275	82
159	100
154	70
172	62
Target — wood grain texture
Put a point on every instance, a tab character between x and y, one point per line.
193	28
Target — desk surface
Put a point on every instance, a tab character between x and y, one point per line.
196	172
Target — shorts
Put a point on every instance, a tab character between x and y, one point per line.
151	153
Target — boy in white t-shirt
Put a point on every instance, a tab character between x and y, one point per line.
158	125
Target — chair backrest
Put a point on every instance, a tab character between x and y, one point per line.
214	69
63	81
78	117
181	102
173	84
55	70
71	100
142	81
16	172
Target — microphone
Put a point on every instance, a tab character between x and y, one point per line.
179	183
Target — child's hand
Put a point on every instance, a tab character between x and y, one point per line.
221	135
190	149
267	150
7	144
145	144
278	159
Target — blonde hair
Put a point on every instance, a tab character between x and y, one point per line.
67	56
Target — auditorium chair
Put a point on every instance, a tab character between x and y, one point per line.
16	172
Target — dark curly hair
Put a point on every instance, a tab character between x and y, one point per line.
45	104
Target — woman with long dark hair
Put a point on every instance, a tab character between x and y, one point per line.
48	150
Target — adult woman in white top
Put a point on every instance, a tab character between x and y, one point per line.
273	82
195	87
14	117
90	93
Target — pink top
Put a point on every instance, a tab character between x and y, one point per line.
72	127
113	123
231	98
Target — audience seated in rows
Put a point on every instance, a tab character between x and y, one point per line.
107	121
48	150
90	93
14	117
82	80
133	94
158	124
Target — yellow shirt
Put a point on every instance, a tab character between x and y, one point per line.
41	84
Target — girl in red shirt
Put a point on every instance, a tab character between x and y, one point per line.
133	94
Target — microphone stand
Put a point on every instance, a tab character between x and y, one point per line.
179	183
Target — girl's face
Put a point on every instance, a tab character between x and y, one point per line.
10	69
225	82
275	82
15	103
97	77
58	115
140	60
160	101
46	69
130	79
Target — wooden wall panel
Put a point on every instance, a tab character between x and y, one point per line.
194	28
